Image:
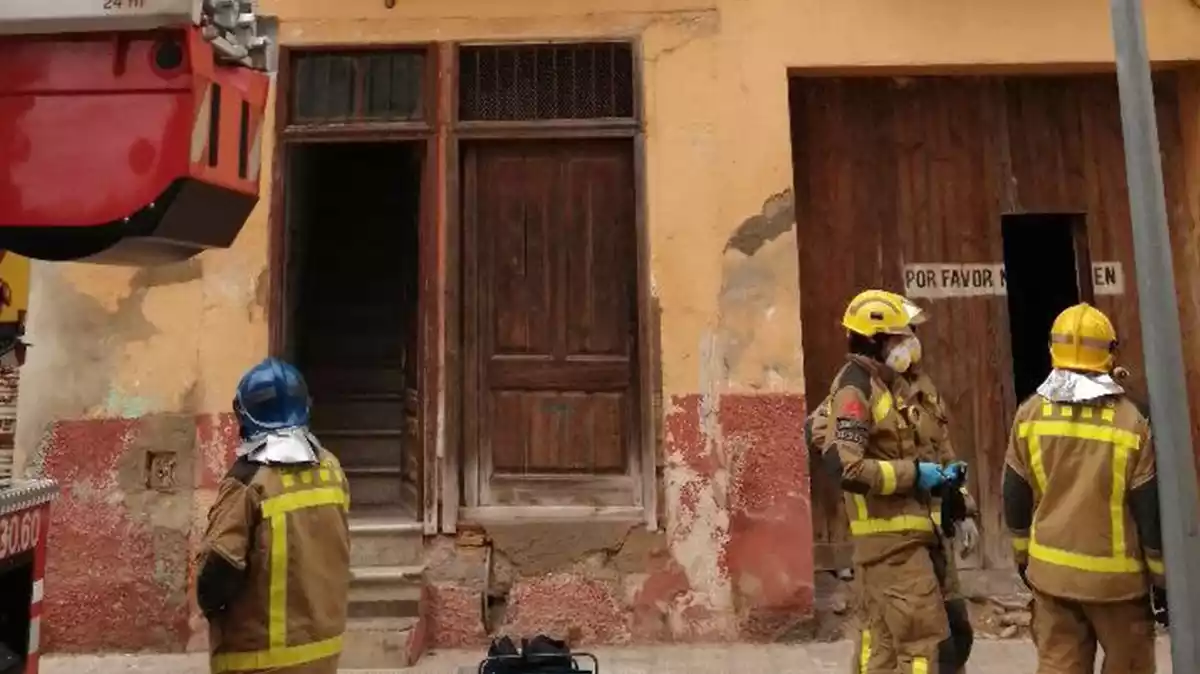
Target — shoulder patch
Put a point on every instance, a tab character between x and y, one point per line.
855	376
243	471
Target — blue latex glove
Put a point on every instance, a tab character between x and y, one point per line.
929	476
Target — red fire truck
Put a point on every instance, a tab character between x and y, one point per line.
130	133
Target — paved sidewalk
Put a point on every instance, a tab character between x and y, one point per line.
989	657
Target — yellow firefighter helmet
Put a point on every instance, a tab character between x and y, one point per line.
1082	338
879	312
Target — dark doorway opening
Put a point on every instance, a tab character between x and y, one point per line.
1046	269
16	589
352	316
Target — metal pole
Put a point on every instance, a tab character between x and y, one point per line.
1161	336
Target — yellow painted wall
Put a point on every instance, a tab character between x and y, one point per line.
126	342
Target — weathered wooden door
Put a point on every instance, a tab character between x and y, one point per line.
550	397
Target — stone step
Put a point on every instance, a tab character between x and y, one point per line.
375	485
386	591
385	539
381	643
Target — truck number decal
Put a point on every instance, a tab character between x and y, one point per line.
115	5
20	532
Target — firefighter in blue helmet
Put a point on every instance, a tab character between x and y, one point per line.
275	561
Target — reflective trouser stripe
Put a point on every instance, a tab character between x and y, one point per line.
920	666
276	658
1124	443
864	653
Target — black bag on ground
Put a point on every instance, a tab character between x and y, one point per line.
539	655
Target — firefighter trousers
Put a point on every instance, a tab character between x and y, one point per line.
878	656
1067	633
953	652
904	621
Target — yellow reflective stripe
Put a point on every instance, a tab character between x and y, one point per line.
277	658
1035	462
860	506
891	525
309	498
277	593
937	517
1020	543
1085	412
889	478
1124	442
882	407
920	666
275	510
1156	566
1074	429
1116	500
1075	560
864	653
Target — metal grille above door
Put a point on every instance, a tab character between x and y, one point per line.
358	86
546	82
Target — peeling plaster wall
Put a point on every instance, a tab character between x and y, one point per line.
125	360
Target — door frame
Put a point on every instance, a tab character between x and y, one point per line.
460	467
440	344
430	304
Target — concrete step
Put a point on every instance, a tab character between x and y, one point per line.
381	643
385	538
386	591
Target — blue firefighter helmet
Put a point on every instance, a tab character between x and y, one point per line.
271	396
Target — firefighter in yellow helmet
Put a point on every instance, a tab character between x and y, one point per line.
926	411
871	448
274	568
1081	503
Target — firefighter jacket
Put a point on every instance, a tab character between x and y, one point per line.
927	412
871	448
1081	499
275	568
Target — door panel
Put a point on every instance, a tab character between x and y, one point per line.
551	409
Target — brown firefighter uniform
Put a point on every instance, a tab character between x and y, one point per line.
873	447
1080	500
930	421
275	568
929	416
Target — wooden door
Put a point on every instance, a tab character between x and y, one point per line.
551	410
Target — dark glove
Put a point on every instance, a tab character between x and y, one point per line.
1158	605
1021	572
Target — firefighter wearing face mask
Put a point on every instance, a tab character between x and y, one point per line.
871	448
1081	502
928	416
275	561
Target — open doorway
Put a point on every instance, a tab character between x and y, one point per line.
352	316
1046	269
